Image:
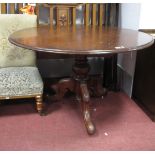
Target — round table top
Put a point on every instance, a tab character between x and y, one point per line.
81	40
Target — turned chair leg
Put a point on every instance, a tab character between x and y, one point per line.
39	104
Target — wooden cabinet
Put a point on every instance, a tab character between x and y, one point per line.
144	81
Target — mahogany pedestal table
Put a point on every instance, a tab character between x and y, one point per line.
81	42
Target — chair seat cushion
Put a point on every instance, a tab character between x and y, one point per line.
20	81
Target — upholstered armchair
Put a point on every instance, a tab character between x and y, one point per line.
19	76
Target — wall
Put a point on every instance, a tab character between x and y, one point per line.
147	16
129	15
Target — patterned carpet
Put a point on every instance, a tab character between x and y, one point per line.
120	123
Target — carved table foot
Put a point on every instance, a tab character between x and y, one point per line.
85	104
95	87
61	88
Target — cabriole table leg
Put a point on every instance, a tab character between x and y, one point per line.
85	104
81	69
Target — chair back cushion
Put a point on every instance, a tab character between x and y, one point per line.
11	55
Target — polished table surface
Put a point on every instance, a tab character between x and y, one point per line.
81	42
